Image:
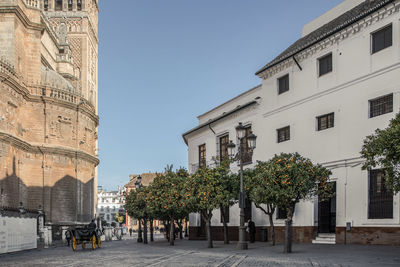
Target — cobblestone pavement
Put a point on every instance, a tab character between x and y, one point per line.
194	253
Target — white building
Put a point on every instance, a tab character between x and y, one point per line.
321	97
110	203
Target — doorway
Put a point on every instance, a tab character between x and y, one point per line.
327	214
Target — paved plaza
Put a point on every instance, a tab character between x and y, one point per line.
194	253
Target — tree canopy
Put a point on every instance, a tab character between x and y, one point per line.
382	149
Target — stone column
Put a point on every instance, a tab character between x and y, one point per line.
74	5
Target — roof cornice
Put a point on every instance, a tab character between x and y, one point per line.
337	34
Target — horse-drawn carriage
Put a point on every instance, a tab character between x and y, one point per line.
83	235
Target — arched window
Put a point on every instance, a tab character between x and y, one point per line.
58	6
69	5
79	4
46	5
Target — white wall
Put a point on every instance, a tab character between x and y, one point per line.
17	234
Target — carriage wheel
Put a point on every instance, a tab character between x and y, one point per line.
83	245
93	242
98	242
74	243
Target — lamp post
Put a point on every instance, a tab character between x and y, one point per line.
138	184
251	143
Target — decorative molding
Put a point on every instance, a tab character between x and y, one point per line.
22	17
351	30
332	90
83	106
36	149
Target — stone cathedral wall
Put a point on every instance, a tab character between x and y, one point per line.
48	128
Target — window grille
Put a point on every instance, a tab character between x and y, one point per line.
325	121
382	39
283	134
381	105
380	198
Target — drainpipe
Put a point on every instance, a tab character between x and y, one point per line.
345	204
209	126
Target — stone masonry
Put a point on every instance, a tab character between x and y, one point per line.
48	108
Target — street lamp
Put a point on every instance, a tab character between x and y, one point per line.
138	184
251	144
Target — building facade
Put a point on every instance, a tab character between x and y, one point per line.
321	97
48	107
110	203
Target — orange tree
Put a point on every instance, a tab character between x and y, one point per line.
136	205
294	178
262	191
382	149
167	199
209	189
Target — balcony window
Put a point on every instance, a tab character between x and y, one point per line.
202	155
223	147
247	152
380	198
46	5
70	5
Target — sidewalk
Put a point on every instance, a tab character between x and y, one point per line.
195	253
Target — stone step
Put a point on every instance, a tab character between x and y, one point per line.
326	235
325	239
327	242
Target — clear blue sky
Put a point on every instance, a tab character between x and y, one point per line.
162	63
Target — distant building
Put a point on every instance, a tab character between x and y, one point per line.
110	203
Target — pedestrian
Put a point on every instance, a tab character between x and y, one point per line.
92	225
68	236
130	231
252	231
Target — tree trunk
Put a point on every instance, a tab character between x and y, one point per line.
180	229
145	231
166	230
289	230
186	227
208	225
171	232
226	235
271	223
151	231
